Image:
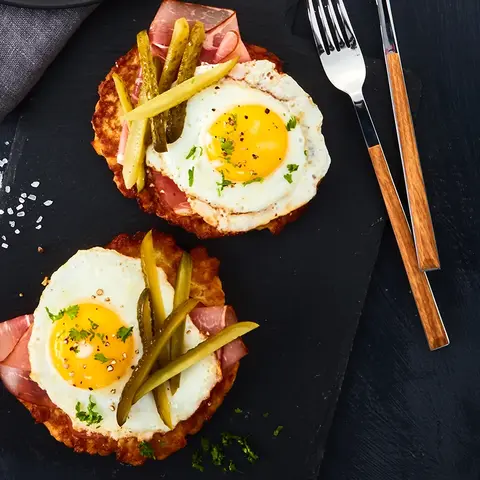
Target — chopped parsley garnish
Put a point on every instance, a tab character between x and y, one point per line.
197	461
101	358
226	146
305	152
217	455
194	151
190	176
93	324
71	312
123	333
205	445
101	336
238	410
231	467
78	335
266	414
277	431
74	349
146	450
90	417
253	180
291	167
221	185
292	123
227	439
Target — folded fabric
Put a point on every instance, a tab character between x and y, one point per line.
29	40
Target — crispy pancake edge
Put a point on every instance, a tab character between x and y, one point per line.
107	127
206	286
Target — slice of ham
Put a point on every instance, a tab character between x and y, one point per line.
173	196
15	366
219	24
19	357
210	321
18	382
11	332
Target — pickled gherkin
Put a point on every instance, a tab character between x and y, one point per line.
194	356
176	116
182	293
122	94
181	92
174	55
134	156
148	361
149	268
144	318
149	76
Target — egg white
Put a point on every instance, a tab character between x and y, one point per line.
242	207
121	280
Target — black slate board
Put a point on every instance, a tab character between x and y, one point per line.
305	287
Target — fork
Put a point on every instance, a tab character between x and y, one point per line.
344	66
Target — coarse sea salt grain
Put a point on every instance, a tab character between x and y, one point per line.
4	237
21	200
32	197
7	143
39	219
23	195
47	203
19	207
11	223
35	184
20	214
1	212
17	231
4	245
10	211
3	162
7	189
38	227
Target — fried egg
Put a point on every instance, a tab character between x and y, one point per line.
85	344
251	150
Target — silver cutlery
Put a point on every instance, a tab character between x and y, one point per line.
422	225
344	66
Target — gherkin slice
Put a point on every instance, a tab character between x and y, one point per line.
148	360
193	356
182	293
181	92
176	116
149	76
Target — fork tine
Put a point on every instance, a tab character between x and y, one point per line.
345	22
326	28
317	34
336	26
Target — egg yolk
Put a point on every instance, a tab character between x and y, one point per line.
93	349
247	143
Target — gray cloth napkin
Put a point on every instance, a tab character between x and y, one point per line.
29	41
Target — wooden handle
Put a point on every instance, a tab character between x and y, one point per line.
417	196
430	316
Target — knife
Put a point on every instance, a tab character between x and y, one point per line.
422	226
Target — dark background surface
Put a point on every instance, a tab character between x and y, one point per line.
404	413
